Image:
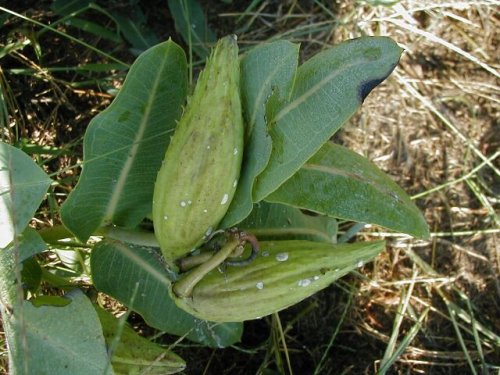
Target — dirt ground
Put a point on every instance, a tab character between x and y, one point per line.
433	126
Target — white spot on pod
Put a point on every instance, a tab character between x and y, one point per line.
316	278
165	217
205	210
189	202
208	232
360	264
259	285
305	282
265	253
208	147
225	198
235	151
235	183
282	257
183	203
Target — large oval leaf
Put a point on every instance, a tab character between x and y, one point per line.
125	144
136	277
23	185
266	71
340	183
60	340
328	89
272	221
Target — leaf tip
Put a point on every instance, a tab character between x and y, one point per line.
366	87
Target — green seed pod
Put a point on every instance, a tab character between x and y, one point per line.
133	354
284	273
198	178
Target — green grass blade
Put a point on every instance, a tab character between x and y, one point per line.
65	35
389	355
347	306
404	344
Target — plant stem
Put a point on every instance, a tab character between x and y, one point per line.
134	236
184	287
189	262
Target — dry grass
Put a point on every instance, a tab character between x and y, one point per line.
423	306
433	126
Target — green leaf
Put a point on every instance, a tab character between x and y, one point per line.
133	25
55	301
136	277
31	148
328	89
125	144
266	71
31	275
27	244
65	7
191	23
71	259
94	29
271	221
60	340
23	185
134	354
340	183
18	253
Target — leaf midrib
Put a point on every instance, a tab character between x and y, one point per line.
142	264
131	156
259	99
362	179
315	88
